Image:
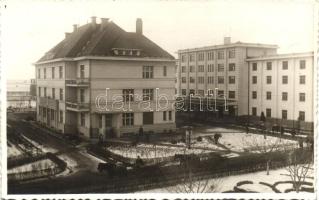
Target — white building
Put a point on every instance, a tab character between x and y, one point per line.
281	86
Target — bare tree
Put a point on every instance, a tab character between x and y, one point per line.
300	165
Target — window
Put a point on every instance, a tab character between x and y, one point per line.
284	65
82	119
231	79
302	64
210	79
183	91
254	94
148	71
82	95
254	66
45	92
254	111
210	68
200	92
183	69
191	92
284	96
232	53
44	113
39	93
148	94
220	93
100	119
220	55
284	114
268	95
191	79
44	73
220	79
269	65
268	79
60	72
53	93
200	56
301	116
191	58
200	68
302	97
164	116
148	118
39	74
128	95
61	116
164	71
220	67
52	114
170	115
40	111
82	71
210	55
61	94
191	69
53	72
201	80
284	79
183	79
254	79
183	58
128	119
268	112
231	67
302	79
231	94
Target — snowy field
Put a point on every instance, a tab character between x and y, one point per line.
38	165
13	151
228	183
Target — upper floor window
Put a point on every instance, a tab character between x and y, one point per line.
220	55
210	67
284	79
254	94
53	72
200	68
164	71
39	74
254	79
82	116
284	65
232	53
268	79
268	95
183	69
39	91
183	79
200	56
201	80
61	94
220	67
210	55
53	93
220	80
44	73
82	95
45	92
191	79
82	72
191	58
254	66
231	79
284	96
183	58
302	97
231	67
231	94
128	95
60	72
148	94
269	65
148	71
302	79
302	64
210	79
191	69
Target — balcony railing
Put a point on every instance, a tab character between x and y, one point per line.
79	82
48	102
78	106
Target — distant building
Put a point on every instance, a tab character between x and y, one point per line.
74	76
220	66
18	94
281	86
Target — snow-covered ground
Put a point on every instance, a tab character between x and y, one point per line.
38	165
13	151
228	183
44	148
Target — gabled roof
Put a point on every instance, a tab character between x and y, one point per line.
100	39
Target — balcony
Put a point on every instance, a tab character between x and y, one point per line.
78	106
48	103
79	82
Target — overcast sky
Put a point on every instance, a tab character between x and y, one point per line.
31	28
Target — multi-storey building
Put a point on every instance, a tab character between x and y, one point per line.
102	81
220	66
281	86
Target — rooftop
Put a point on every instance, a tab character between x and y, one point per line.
283	56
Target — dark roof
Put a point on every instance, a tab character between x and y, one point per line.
100	39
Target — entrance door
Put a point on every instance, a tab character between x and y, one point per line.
148	118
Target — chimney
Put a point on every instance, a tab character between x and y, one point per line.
93	20
104	22
139	26
227	40
67	35
75	27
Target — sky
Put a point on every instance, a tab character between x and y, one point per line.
31	28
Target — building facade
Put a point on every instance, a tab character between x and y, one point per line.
102	81
220	66
281	86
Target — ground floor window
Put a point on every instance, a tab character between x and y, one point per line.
254	111
82	116
284	114
148	117
164	116
61	116
52	114
301	116
128	119
268	112
44	112
100	121
108	120
170	115
40	111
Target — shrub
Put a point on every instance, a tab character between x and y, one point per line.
173	142
199	139
244	183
